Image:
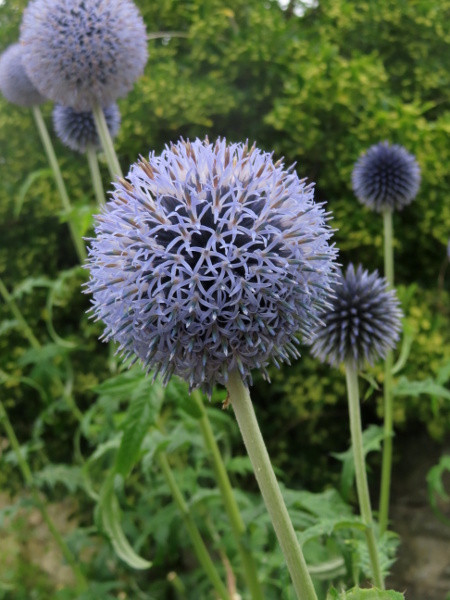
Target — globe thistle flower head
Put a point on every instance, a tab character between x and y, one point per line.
210	258
77	130
84	52
14	82
363	322
386	177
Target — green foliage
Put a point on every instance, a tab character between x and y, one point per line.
318	90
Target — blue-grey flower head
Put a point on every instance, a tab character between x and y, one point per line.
386	177
77	130
84	52
209	258
15	84
363	322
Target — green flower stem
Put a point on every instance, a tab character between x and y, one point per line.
107	143
199	546
95	175
51	156
388	247
229	500
11	304
386	468
28	477
239	398
360	470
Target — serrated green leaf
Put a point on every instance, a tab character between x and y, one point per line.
68	476
140	415
373	437
328	526
110	517
428	386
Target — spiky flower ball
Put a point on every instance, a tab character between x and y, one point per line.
209	258
82	52
77	130
386	177
14	82
363	322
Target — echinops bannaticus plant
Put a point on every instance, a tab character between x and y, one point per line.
77	130
210	258
207	263
362	324
81	53
15	84
386	176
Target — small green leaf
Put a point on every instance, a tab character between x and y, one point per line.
428	386
436	489
26	185
358	594
372	439
328	526
110	516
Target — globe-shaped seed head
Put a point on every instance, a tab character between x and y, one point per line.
386	177
15	84
363	322
77	130
84	52
210	258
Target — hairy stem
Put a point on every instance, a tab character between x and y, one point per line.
386	468
239	398
199	546
51	156
229	500
360	471
107	143
28	477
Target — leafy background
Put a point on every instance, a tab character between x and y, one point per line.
317	89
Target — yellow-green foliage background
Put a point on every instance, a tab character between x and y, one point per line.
318	90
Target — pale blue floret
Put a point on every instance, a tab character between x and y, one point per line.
14	82
83	52
77	130
386	177
363	323
208	258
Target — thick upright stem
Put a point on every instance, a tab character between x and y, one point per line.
239	398
10	302
386	468
229	501
107	143
388	247
28	477
95	175
51	156
199	546
360	471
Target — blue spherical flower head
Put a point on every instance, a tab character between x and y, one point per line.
14	82
84	52
77	130
363	322
386	177
210	258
